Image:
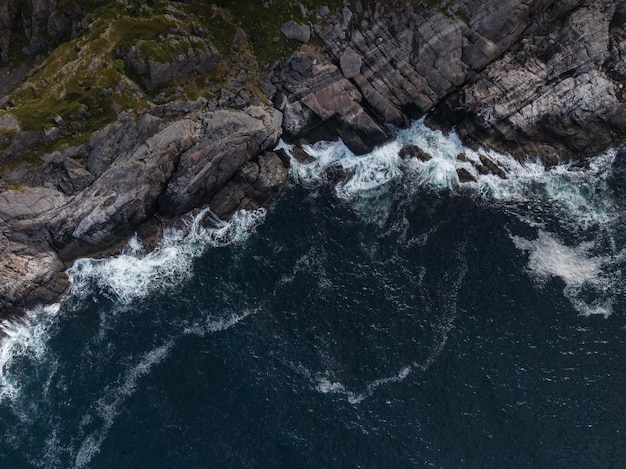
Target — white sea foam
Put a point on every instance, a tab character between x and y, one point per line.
211	325
135	274
108	407
577	195
586	284
25	339
326	386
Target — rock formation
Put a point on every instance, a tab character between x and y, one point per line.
145	168
155	119
534	78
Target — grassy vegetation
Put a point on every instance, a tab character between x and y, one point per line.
262	23
77	74
85	83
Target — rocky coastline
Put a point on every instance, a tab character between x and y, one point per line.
179	116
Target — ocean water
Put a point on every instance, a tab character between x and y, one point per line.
396	318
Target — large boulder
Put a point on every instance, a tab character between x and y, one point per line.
294	31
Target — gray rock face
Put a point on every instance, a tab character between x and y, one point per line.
318	94
350	63
533	77
230	139
544	77
28	203
44	23
145	168
555	93
295	31
252	186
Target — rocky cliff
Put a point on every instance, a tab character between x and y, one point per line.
141	113
532	78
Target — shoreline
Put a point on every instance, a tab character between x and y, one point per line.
501	84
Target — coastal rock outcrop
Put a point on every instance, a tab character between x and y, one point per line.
558	93
229	140
166	171
170	58
536	78
532	77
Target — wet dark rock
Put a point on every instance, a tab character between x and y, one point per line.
413	151
301	156
493	167
465	176
337	173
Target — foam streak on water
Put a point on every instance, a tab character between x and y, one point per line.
128	276
325	384
109	406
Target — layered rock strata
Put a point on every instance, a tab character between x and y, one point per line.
135	169
532	77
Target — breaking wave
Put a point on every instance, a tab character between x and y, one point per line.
25	340
576	194
136	274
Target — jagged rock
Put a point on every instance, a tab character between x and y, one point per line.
44	23
413	151
31	272
252	186
465	176
564	72
295	31
554	93
527	76
124	196
492	166
320	95
301	156
229	140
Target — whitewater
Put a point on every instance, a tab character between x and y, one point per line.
397	310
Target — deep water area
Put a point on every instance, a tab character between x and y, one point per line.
384	315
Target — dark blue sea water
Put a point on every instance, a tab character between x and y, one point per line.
395	319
